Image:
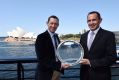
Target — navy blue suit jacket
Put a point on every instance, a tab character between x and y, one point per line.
46	57
101	55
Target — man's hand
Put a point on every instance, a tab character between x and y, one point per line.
85	62
64	65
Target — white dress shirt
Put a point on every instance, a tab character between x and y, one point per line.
89	34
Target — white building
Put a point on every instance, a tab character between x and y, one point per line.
19	34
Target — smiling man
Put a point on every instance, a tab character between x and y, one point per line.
99	50
49	67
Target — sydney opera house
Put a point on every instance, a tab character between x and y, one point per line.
19	34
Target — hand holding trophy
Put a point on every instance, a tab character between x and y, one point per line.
70	53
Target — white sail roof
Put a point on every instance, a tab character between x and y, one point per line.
19	32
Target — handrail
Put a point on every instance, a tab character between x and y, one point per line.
20	68
19	61
16	60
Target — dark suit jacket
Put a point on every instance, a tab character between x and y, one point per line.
101	55
46	57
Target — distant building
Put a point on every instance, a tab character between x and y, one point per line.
19	34
116	36
83	31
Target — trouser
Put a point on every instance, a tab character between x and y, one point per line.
56	75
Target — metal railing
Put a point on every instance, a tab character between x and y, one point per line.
19	62
20	68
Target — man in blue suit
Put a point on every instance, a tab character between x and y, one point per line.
49	67
99	50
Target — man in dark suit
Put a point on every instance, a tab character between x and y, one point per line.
49	67
99	50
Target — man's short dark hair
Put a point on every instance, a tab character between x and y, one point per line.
98	14
53	16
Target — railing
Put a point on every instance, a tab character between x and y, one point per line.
20	68
18	62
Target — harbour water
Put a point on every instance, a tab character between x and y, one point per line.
13	50
26	50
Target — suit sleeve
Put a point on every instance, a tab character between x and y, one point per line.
43	57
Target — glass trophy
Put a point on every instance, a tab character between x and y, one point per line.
70	52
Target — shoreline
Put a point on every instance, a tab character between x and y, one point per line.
16	39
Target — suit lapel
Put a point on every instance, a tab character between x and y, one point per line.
49	39
85	41
58	39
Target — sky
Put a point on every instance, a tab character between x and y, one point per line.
31	15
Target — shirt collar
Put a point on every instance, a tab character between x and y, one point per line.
95	31
51	34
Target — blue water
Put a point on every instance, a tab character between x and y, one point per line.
16	49
13	50
26	50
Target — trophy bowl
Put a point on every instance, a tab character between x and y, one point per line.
70	52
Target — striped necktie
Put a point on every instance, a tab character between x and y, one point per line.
91	40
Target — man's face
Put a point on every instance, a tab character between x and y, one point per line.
53	24
93	21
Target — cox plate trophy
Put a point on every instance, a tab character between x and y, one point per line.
70	52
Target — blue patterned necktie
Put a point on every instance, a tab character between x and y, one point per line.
55	44
91	40
55	40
